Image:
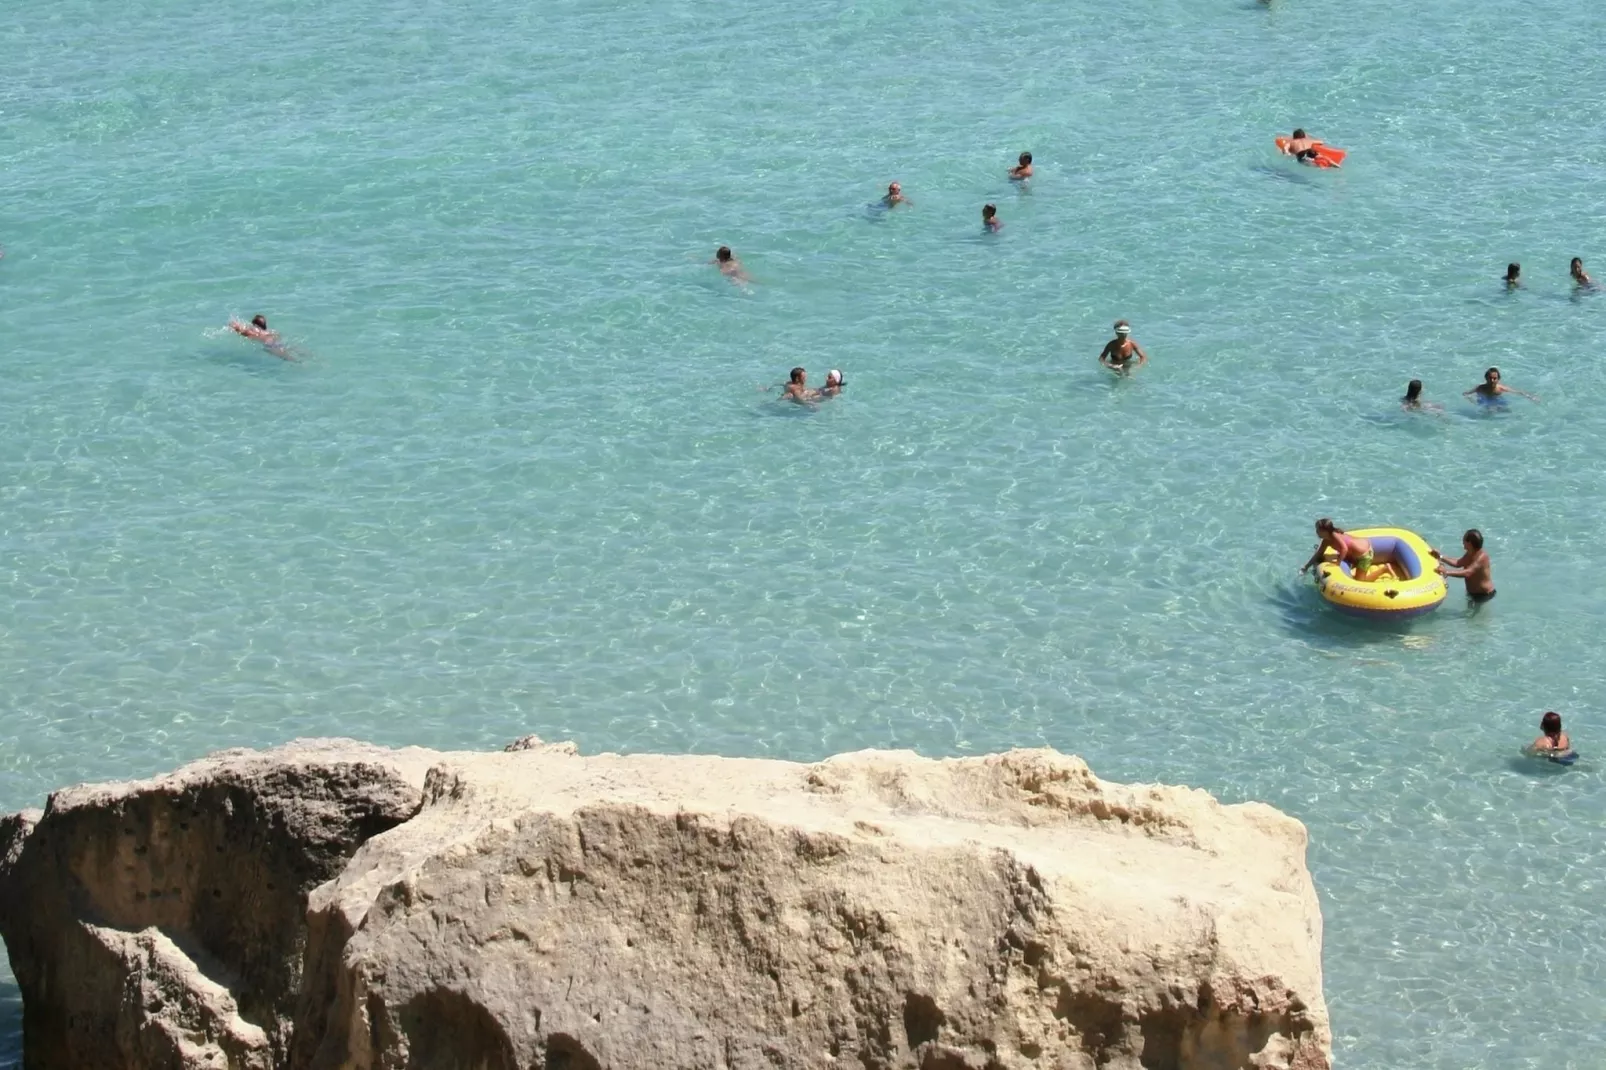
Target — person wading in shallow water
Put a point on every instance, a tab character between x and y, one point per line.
1473	566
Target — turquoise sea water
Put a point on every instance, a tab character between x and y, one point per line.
525	478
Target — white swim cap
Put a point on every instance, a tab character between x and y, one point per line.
832	376
1123	328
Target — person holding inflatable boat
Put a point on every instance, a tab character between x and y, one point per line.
1353	549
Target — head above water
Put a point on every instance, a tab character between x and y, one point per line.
1025	158
1122	327
1576	268
799	375
1473	539
1299	133
894	189
1513	271
1413	390
1325	526
259	321
722	254
833	378
988	211
1492	375
1550	723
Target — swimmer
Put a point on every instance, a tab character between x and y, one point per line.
729	266
989	219
798	388
1552	740
895	197
1351	548
1491	388
1412	401
1119	351
1300	147
257	330
1581	277
833	384
1023	169
1473	566
1513	279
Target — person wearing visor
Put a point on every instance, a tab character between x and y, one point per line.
1122	354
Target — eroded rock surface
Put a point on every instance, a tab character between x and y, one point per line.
548	911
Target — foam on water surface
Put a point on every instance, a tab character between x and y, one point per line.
525	481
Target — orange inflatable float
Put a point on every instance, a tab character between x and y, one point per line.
1326	155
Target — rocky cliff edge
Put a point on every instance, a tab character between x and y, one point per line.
336	905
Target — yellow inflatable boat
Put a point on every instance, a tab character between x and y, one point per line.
1409	584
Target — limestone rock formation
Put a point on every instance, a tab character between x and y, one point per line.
546	911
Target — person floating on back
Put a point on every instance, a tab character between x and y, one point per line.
989	219
1473	566
1353	549
729	266
257	330
1119	351
1492	388
1513	278
1580	277
1023	169
1552	742
895	197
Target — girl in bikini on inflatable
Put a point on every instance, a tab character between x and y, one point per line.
1350	548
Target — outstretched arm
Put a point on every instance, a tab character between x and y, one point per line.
1321	548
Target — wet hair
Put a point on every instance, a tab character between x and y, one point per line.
1413	390
797	375
1550	722
988	211
1025	158
1492	373
722	253
1473	538
1513	270
259	320
1325	524
1299	132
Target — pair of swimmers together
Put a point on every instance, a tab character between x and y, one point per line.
1575	270
1489	390
1473	566
797	387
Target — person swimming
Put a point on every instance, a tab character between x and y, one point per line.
1349	548
989	219
895	197
1301	147
1492	388
833	384
1513	279
1580	277
1022	169
1552	742
258	331
1119	351
1412	401
729	266
1473	566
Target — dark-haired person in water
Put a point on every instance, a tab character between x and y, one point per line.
1412	401
1552	740
797	389
1023	169
1513	277
257	330
989	219
1118	352
1473	566
1492	388
1301	148
1580	277
729	266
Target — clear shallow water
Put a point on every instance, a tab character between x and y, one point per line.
525	479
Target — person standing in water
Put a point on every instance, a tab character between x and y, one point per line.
1353	549
1552	741
797	389
989	219
1580	277
1513	278
1119	351
895	197
833	384
1491	388
1022	169
1473	566
729	266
